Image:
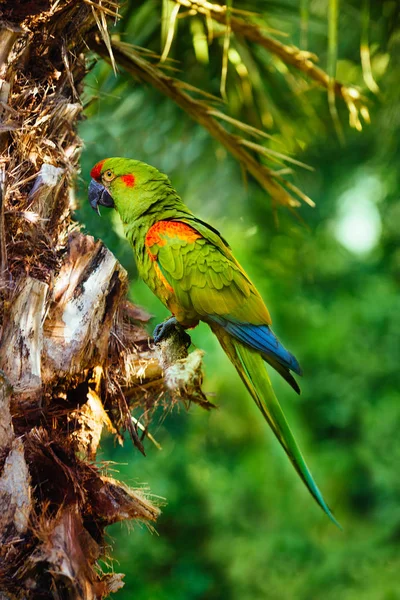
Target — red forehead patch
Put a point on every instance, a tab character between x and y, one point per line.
95	173
129	180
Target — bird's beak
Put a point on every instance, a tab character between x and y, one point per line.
98	195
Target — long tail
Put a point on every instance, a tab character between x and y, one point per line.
250	366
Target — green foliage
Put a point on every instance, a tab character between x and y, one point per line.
238	523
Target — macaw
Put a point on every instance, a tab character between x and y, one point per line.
190	267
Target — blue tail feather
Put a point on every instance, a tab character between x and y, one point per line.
262	338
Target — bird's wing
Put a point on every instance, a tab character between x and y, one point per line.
202	277
208	281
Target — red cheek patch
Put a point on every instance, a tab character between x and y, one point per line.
129	180
95	173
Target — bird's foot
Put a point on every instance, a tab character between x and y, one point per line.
168	328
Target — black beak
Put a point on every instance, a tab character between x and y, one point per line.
98	195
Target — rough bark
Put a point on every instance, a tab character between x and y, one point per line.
74	354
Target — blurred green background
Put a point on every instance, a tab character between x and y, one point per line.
238	522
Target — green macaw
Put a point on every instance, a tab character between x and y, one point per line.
191	269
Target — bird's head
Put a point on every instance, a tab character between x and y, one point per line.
127	185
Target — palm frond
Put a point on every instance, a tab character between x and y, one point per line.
100	12
170	14
241	32
141	68
293	56
365	51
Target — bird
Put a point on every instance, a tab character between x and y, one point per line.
190	267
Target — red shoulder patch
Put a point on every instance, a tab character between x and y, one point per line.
95	173
171	229
129	180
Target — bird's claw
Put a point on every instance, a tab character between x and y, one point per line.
168	328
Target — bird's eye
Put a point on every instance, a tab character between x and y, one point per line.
108	175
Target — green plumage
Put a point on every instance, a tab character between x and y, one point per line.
191	268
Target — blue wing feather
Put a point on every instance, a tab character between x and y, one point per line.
261	338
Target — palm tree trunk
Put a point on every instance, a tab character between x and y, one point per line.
74	354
